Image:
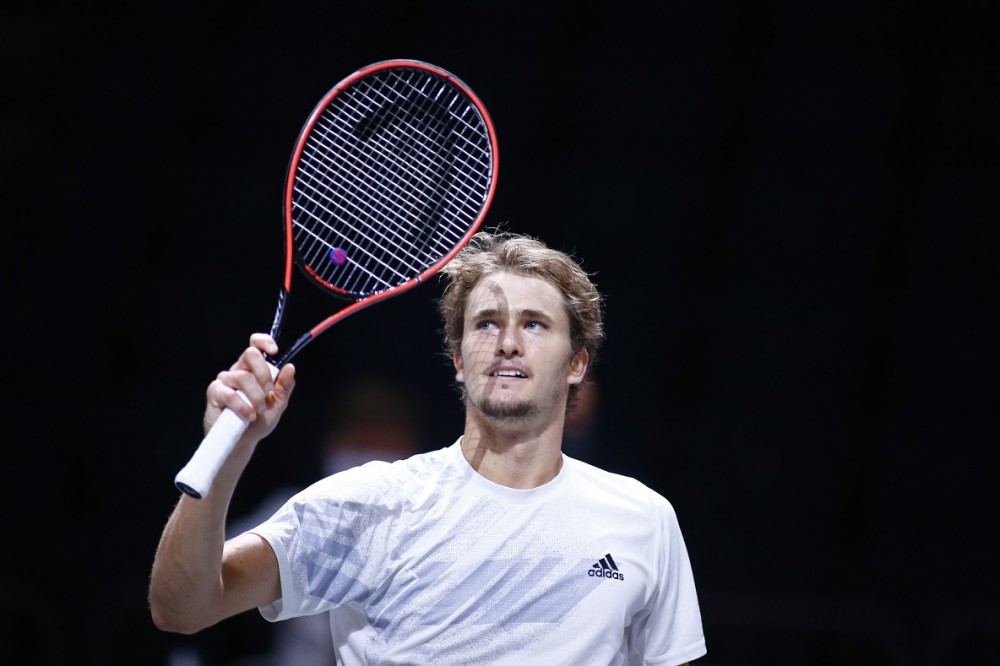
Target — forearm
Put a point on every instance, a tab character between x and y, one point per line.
198	579
186	591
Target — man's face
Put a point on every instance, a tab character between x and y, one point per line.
516	360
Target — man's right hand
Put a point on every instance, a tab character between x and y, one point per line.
266	399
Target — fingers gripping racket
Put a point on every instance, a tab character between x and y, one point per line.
391	175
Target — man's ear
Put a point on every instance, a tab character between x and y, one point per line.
578	366
456	360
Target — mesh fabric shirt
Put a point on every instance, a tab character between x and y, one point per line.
424	561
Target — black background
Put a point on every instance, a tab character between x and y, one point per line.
790	208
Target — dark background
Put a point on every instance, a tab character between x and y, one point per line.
790	208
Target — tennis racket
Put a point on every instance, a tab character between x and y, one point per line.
391	175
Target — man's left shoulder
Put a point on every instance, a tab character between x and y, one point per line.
603	481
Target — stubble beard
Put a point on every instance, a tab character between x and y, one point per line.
505	410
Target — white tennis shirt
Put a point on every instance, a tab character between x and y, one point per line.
424	561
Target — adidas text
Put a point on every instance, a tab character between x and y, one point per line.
605	573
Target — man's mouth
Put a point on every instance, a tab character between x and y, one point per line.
508	373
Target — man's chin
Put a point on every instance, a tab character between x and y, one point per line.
506	410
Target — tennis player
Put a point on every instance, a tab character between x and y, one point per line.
496	549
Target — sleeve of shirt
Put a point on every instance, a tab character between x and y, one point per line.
322	538
670	632
281	532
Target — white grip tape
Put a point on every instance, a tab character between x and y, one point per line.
195	478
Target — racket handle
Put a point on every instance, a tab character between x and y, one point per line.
195	478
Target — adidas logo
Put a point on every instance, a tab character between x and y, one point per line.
606	568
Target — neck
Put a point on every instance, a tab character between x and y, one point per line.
520	457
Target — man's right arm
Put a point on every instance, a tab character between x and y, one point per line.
199	578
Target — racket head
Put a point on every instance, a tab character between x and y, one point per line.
391	175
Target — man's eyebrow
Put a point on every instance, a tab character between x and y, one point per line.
535	314
485	313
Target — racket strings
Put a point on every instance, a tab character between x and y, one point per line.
394	172
349	209
406	177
